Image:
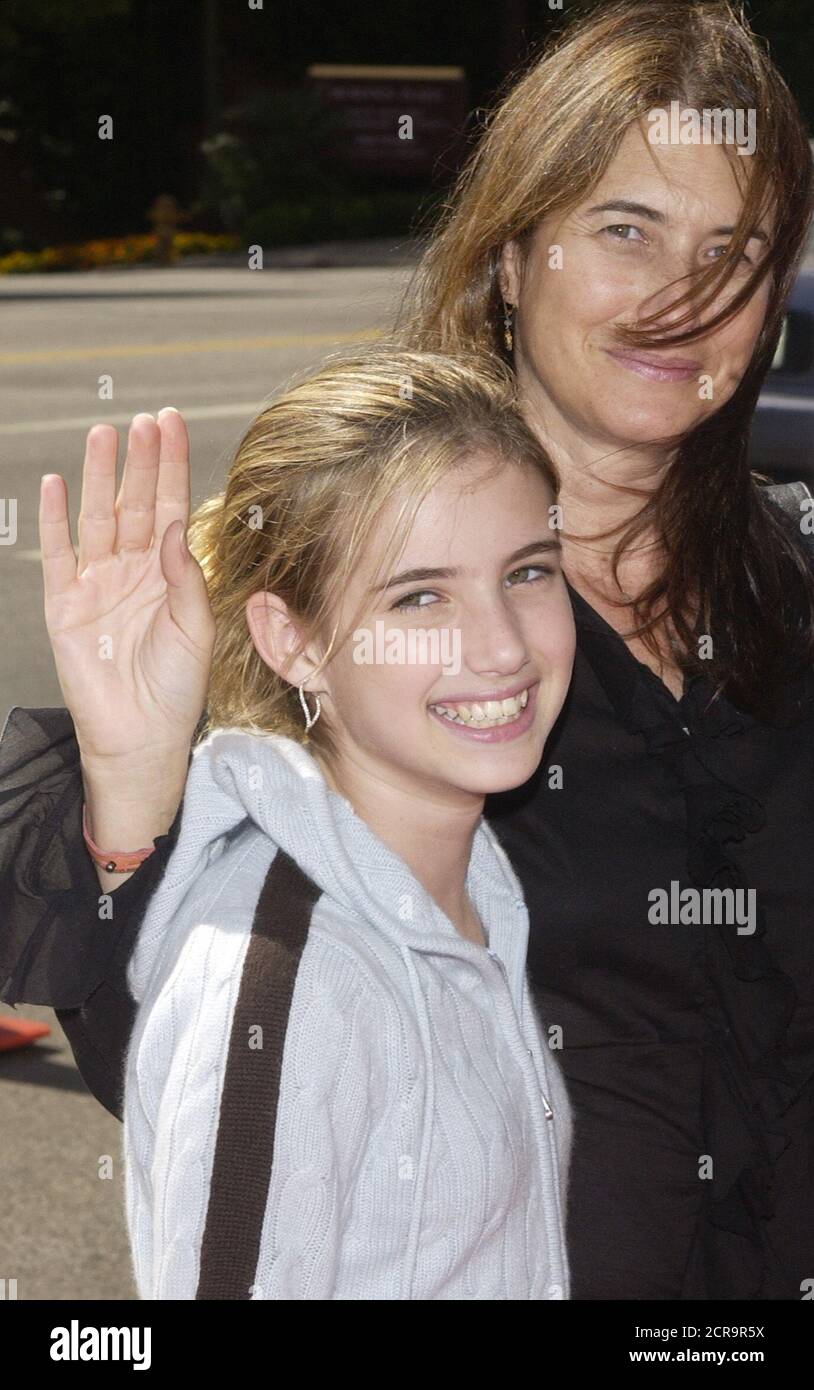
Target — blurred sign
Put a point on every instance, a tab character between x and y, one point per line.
395	120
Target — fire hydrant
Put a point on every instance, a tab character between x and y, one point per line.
165	215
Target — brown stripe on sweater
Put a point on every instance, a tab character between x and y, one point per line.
244	1148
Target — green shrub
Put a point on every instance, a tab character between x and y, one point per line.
337	217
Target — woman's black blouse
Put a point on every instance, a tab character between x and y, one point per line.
688	1049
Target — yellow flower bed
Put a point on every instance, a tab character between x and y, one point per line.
128	250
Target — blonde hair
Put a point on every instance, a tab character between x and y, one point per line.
306	490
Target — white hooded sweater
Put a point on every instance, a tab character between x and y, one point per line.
329	1092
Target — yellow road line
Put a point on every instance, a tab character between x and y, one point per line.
224	411
183	347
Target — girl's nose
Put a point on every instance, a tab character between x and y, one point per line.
492	642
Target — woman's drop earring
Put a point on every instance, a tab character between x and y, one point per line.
508	336
310	720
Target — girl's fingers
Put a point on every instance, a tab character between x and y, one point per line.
96	526
172	493
135	504
58	559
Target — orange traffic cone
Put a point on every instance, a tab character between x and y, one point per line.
20	1032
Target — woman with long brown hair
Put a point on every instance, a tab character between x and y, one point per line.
636	283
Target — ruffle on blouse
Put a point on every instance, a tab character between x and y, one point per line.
54	946
751	1078
40	836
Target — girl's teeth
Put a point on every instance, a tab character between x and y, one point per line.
491	712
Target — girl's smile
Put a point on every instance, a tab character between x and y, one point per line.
490	719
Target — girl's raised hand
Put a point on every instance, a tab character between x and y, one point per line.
129	619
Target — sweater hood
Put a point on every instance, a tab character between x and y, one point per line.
238	777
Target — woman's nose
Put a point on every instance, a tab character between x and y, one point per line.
674	279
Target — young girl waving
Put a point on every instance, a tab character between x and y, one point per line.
337	1086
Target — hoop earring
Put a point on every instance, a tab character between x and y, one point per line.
508	336
310	720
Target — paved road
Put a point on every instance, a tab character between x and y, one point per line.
214	341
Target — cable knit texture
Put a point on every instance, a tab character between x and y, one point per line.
413	1153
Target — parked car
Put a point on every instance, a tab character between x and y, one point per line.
782	441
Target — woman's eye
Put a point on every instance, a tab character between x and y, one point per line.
618	229
721	249
411	600
534	571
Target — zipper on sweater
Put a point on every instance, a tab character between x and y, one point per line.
555	1290
549	1113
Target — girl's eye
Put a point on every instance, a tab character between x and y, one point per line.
527	573
534	570
410	600
617	230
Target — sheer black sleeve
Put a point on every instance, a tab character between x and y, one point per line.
55	946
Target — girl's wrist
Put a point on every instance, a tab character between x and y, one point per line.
113	861
123	816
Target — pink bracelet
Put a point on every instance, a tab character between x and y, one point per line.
115	861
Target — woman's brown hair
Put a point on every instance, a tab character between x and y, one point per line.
545	145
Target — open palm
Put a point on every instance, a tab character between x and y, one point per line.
129	619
